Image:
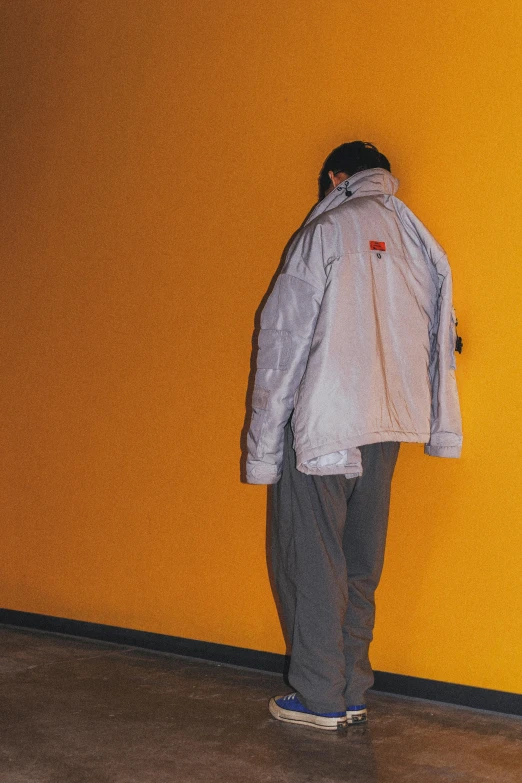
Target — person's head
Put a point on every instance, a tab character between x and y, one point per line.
344	161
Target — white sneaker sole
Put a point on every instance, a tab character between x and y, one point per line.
356	716
316	721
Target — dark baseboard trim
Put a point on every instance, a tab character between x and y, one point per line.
449	693
192	648
399	684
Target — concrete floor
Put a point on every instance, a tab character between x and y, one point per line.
75	711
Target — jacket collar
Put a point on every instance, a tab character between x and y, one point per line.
370	182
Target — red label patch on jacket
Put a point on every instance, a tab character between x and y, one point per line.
377	245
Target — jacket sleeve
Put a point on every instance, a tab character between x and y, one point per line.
445	419
445	425
287	325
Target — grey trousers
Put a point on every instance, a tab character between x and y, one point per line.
327	543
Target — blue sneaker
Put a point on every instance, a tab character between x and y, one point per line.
289	709
356	713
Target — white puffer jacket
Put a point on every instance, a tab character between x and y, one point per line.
357	338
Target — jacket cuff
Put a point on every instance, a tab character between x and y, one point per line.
434	450
262	473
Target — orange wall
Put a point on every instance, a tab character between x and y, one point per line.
157	156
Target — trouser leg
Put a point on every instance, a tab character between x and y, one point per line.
364	544
309	567
327	549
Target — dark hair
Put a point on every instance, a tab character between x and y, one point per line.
349	158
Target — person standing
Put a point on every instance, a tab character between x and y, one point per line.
356	354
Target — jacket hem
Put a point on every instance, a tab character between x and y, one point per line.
363	439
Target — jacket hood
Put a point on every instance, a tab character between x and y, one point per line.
370	182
